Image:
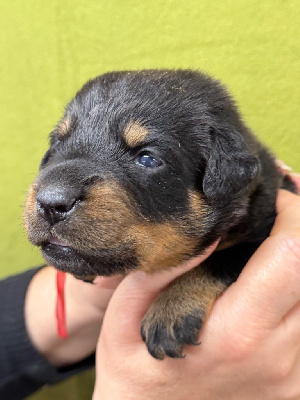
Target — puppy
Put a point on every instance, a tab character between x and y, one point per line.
145	170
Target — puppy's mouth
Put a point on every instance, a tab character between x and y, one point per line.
61	255
55	247
83	264
58	242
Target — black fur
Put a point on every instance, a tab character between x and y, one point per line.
195	131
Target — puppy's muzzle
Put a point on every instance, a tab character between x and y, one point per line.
61	189
55	203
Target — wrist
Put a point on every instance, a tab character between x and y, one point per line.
83	319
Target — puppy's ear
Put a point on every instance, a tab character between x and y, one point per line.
230	166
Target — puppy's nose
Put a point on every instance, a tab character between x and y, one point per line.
55	204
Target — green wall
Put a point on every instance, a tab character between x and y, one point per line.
50	48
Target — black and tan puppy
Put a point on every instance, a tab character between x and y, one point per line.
145	170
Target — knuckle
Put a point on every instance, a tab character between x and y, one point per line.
240	347
291	244
280	372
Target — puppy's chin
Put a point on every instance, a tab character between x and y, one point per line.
83	266
65	259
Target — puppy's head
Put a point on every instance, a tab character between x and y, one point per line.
144	170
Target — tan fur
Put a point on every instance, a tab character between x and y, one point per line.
114	221
192	294
198	206
135	134
64	126
160	246
226	244
108	210
30	207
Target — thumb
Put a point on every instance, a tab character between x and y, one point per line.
296	180
268	287
134	296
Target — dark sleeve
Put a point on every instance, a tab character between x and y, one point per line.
22	369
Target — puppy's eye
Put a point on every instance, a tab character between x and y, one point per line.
147	160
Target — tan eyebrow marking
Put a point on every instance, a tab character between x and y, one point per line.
64	126
135	133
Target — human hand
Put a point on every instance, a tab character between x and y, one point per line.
250	347
85	308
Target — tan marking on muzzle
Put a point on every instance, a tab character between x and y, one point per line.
161	246
109	212
30	206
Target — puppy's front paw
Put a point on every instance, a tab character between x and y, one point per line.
165	332
176	316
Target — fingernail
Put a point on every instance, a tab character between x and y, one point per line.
280	164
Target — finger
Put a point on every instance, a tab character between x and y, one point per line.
283	167
269	285
286	170
291	321
296	180
288	213
135	294
285	338
108	282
